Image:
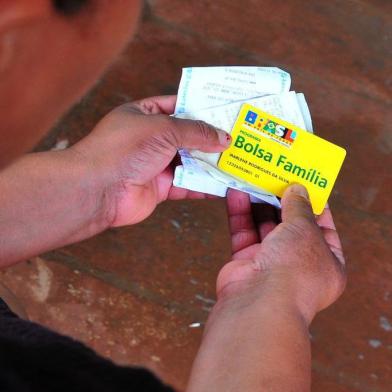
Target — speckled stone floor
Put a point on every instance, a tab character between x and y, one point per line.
134	293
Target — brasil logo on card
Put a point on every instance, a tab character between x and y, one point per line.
271	153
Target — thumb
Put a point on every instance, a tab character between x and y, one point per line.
296	204
198	135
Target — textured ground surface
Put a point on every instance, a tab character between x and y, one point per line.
132	293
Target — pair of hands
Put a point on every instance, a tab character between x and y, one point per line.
129	156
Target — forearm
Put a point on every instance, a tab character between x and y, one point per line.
48	200
253	344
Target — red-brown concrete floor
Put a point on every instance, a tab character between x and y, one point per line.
131	293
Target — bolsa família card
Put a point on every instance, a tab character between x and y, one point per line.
270	153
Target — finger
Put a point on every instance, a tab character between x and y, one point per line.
331	236
197	135
326	219
177	193
166	190
265	218
164	104
242	228
332	239
296	204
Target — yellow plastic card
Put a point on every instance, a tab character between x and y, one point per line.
271	154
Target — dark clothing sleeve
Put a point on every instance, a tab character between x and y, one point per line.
33	358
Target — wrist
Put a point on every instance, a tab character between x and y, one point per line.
276	288
253	327
66	204
92	192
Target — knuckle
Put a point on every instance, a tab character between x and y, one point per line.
204	130
168	131
298	203
303	231
148	106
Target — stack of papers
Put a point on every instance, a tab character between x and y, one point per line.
215	95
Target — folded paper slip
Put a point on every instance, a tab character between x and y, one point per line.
205	87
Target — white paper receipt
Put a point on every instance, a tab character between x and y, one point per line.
204	87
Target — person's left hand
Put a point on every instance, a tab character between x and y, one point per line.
129	155
299	258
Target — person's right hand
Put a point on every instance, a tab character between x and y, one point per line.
301	258
130	154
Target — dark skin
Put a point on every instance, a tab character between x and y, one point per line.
280	274
91	190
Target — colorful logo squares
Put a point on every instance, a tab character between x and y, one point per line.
251	117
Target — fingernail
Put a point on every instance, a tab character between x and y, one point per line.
224	138
300	190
